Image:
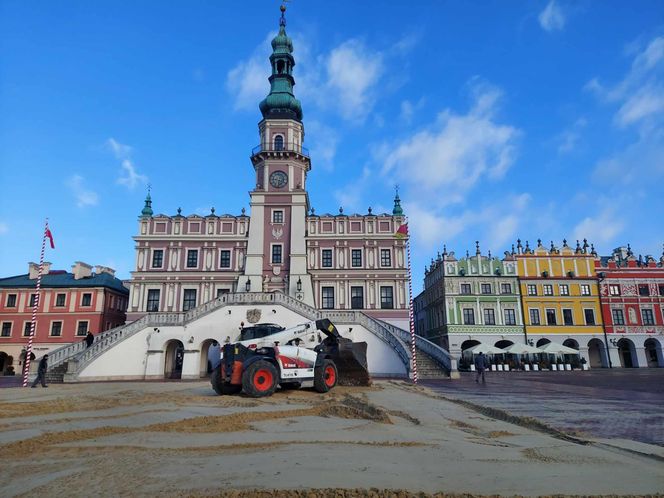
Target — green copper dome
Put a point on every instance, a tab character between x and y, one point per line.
281	102
147	209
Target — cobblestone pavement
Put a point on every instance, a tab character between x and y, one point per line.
625	403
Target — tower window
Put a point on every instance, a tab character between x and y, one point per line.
276	254
278	142
280	67
277	216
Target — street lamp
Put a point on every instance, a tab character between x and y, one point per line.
299	284
247	286
614	341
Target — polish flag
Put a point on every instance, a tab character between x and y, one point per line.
48	234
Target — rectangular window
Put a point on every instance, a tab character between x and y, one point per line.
468	316
86	300
276	254
661	289
82	328
277	216
11	300
547	289
590	316
327	258
614	289
153	300
585	290
618	317
489	317
157	258
510	317
6	329
648	317
386	298
224	259
357	298
192	258
485	288
60	300
567	317
532	290
27	328
328	298
221	292
189	299
33	300
356	258
385	258
551	317
465	288
644	290
505	288
56	329
564	289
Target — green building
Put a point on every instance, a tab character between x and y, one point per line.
469	301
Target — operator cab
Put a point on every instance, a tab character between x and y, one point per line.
260	330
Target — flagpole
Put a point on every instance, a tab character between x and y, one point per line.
33	325
410	314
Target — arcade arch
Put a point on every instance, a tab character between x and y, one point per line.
174	359
653	350
597	354
627	353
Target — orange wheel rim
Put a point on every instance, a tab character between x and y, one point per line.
263	379
330	376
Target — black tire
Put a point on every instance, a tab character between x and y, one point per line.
220	386
325	376
286	386
260	379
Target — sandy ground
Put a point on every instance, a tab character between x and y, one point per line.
180	439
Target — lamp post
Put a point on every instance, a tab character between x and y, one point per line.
299	284
247	286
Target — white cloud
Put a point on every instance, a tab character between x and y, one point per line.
602	227
450	156
569	138
323	144
4	228
248	80
129	177
84	197
121	151
552	17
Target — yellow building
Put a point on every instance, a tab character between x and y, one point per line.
560	297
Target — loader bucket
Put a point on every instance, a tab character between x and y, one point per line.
351	362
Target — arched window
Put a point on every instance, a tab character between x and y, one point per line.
280	67
278	142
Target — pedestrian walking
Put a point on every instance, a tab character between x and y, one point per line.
89	339
481	364
41	372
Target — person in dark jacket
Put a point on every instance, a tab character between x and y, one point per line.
89	339
41	372
481	364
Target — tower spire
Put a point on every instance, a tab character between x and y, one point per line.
398	210
281	102
147	209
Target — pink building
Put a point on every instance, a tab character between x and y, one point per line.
329	261
71	304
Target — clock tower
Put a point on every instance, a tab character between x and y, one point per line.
276	251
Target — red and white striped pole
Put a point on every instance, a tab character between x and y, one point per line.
35	307
413	350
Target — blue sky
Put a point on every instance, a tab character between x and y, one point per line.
499	120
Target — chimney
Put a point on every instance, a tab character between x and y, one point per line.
104	269
33	270
81	270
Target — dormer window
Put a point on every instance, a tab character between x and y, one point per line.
278	142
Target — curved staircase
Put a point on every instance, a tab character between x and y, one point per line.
433	361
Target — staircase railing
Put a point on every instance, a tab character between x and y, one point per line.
434	350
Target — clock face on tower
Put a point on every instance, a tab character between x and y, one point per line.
278	179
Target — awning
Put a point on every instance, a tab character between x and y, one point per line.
555	348
484	348
522	349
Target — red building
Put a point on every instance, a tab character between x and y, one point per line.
71	304
632	299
